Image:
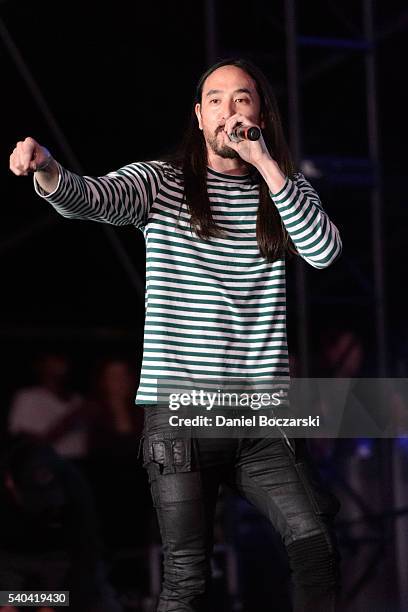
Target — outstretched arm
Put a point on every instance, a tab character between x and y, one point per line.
122	197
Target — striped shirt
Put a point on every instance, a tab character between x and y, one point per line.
214	308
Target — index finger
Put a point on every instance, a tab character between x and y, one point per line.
234	120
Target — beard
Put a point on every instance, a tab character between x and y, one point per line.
218	148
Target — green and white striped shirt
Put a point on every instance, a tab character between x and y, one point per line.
214	308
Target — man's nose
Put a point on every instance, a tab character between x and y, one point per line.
228	109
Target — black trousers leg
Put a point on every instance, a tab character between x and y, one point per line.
184	498
285	487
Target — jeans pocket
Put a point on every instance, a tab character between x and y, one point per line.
167	452
167	458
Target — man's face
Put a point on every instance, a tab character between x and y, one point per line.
227	91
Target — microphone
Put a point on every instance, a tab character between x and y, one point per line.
243	132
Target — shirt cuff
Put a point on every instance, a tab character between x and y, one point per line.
44	194
283	194
280	192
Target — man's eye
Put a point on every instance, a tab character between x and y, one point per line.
242	100
214	100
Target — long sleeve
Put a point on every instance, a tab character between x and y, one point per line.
122	197
315	237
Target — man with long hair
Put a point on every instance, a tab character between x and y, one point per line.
219	219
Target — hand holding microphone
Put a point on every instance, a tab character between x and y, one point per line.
243	135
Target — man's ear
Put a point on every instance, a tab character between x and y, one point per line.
197	109
262	123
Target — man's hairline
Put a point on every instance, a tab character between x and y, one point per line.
239	90
200	99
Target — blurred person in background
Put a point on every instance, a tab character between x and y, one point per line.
114	425
341	353
45	409
114	428
49	534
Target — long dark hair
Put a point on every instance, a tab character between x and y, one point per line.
272	237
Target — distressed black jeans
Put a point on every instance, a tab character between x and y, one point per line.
275	475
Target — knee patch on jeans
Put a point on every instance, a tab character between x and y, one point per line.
314	562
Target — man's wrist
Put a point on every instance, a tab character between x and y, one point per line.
272	174
47	180
45	165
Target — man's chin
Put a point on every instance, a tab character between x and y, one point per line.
225	152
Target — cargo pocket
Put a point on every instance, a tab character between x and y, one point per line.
167	453
168	461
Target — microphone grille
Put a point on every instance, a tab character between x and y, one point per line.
253	133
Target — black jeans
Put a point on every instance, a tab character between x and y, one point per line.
275	475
